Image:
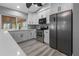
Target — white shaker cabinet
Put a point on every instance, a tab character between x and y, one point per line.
46	36
33	19
32	34
44	14
23	35
60	7
66	6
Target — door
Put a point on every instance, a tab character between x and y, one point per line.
53	34
64	32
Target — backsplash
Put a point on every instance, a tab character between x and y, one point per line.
33	26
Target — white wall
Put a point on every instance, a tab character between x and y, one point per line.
11	12
76	29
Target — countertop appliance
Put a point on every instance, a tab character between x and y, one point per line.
61	32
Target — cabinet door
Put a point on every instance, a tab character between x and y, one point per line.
33	34
23	35
54	8
46	36
33	18
18	37
29	21
66	6
13	34
28	35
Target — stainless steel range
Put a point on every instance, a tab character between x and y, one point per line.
40	35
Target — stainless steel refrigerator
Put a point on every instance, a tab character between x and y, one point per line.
61	32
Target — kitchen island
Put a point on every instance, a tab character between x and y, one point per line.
23	35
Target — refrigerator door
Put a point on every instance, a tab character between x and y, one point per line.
64	40
52	28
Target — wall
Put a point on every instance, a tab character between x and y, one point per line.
11	12
76	29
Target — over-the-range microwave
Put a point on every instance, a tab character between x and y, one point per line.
42	21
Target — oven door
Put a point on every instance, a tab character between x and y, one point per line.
40	35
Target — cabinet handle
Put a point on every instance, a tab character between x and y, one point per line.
21	35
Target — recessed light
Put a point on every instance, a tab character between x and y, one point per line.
18	6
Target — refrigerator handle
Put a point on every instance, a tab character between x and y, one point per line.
54	19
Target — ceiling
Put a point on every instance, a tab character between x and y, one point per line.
22	8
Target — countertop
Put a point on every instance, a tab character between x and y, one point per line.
23	30
8	46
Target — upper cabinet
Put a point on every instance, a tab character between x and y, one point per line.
59	7
66	6
44	13
32	19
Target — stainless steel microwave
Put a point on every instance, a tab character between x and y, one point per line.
42	21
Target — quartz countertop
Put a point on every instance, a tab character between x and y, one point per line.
8	46
22	30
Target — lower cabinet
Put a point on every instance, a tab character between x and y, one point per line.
46	36
20	36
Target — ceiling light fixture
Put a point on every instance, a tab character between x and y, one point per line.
28	5
18	7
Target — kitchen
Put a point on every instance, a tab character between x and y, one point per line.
25	28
